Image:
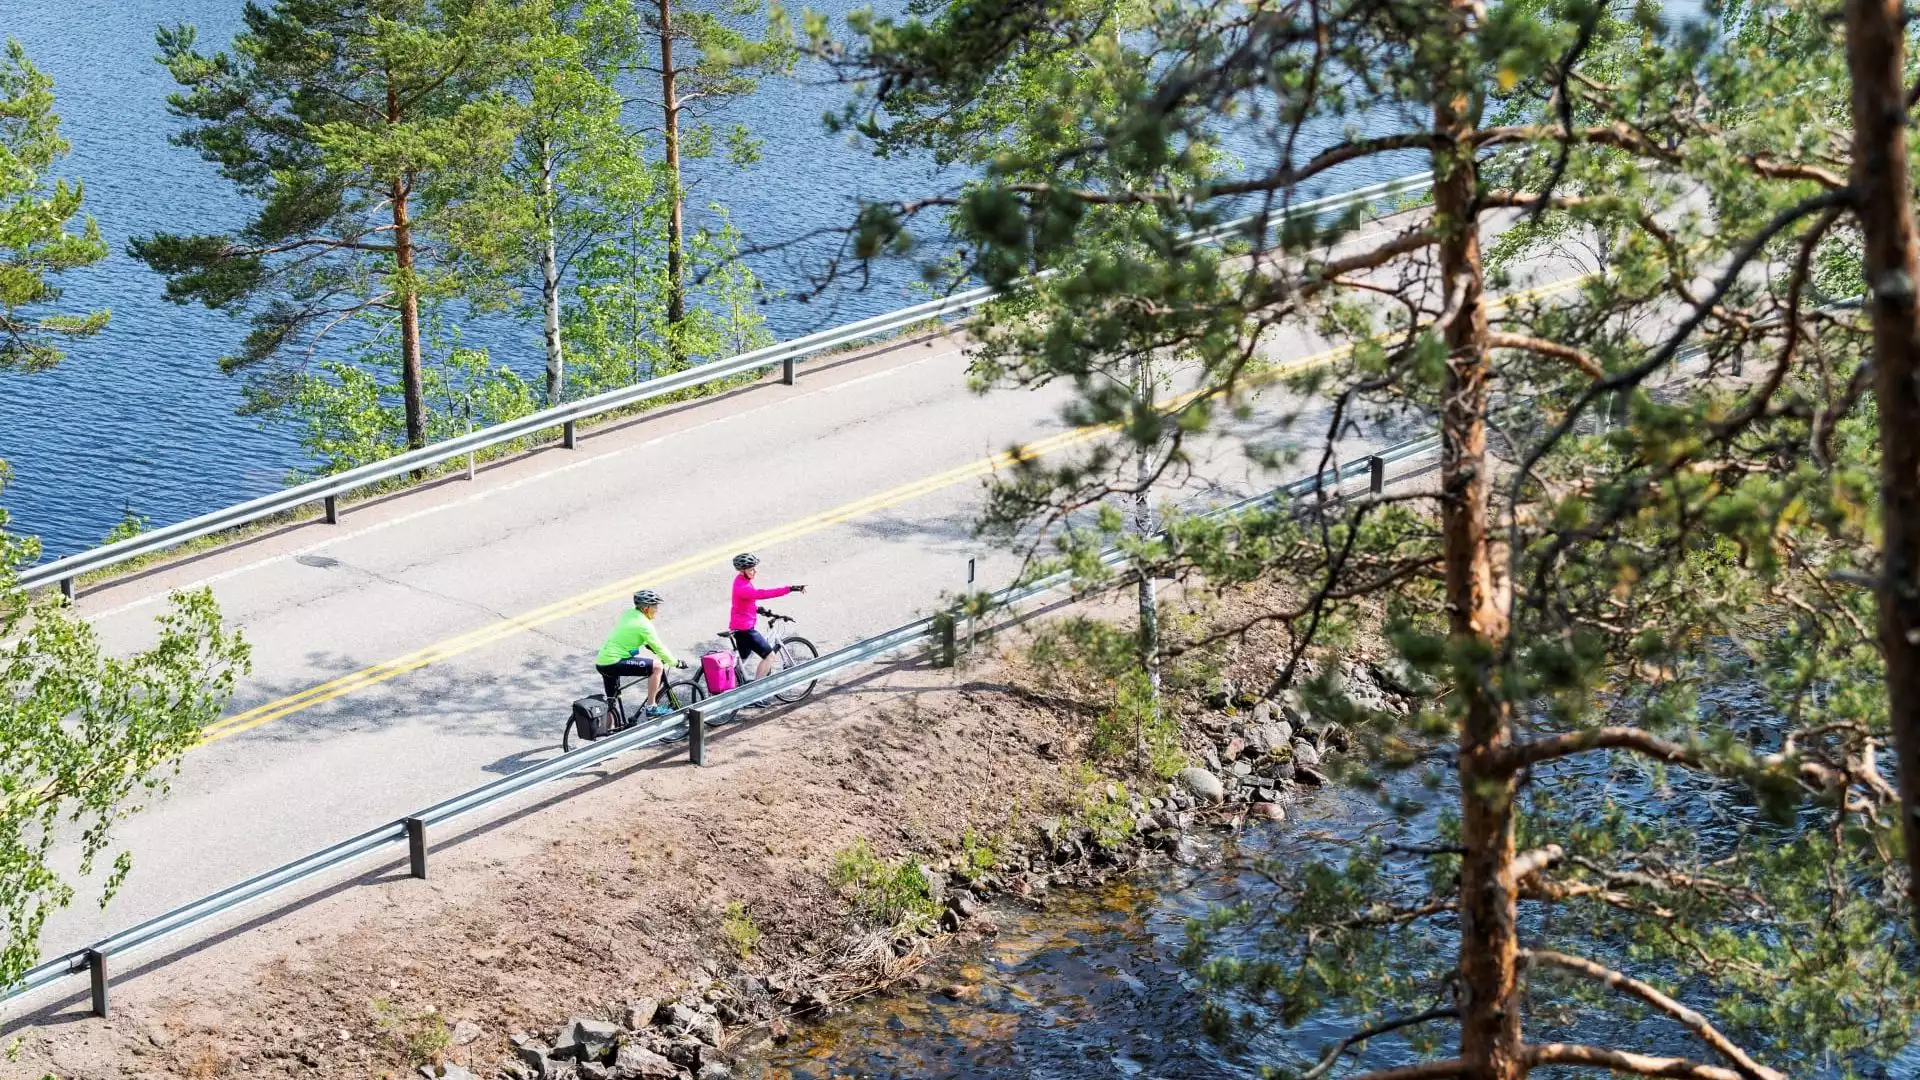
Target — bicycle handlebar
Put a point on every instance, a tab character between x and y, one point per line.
770	616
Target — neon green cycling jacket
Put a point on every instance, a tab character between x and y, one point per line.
631	634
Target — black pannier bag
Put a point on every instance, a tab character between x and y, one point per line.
592	717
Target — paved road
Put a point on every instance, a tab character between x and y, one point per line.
434	640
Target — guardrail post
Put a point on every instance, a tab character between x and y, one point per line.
417	847
333	509
567	435
66	587
97	974
696	736
786	371
1376	474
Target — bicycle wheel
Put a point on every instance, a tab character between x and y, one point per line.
793	652
682	694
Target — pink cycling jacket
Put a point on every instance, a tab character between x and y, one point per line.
744	597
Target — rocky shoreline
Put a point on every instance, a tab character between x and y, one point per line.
1255	756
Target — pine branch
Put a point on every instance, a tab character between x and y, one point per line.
1621	1061
1588	365
1328	1059
1633	987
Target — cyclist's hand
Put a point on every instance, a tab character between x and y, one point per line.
798	588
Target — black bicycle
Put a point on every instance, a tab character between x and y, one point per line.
674	694
789	650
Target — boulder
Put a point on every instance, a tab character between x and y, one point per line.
586	1040
1202	785
639	1063
1310	776
1304	753
1268	811
532	1053
708	1030
639	1013
593	1070
1234	748
1262	712
713	1070
1243	768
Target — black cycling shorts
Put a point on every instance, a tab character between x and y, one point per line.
611	674
751	641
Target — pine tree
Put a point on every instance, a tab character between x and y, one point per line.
1618	526
358	125
703	60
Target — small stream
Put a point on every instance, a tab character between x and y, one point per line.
1092	986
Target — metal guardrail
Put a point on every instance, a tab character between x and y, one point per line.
566	416
94	958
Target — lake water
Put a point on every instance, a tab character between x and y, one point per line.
141	417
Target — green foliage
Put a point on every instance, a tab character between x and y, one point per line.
88	736
618	330
979	854
738	928
1133	727
350	412
422	1038
1650	533
130	525
1102	806
894	894
35	238
360	127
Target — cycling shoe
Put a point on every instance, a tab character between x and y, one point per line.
659	710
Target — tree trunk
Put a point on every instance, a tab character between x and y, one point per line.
550	279
1489	945
1875	32
1149	605
1143	527
412	383
407	296
676	257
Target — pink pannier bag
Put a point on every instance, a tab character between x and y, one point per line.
718	668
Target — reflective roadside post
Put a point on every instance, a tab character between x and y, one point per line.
969	600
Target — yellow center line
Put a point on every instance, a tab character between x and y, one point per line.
793	530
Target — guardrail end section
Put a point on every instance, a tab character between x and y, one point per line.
417	847
97	974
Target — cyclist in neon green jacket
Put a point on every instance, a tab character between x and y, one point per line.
622	655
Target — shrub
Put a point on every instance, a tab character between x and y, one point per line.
739	929
896	894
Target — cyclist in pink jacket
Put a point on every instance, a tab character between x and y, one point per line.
747	637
